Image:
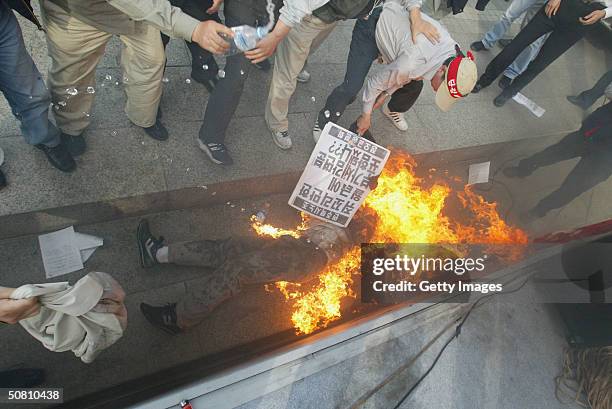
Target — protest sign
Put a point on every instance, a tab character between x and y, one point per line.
336	179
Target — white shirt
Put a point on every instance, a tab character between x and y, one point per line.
405	60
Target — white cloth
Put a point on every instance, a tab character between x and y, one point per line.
405	60
85	318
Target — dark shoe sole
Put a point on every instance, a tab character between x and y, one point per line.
208	153
500	101
154	324
479	47
141	232
56	165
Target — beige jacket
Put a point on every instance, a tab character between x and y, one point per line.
85	318
126	16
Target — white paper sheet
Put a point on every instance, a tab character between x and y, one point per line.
87	244
479	173
59	252
529	104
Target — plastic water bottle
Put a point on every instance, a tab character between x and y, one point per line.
245	38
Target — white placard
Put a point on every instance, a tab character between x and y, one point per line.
529	104
479	173
59	252
336	179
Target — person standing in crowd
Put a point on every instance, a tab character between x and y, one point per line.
293	51
527	9
592	143
77	33
25	90
224	100
567	21
409	58
587	98
204	67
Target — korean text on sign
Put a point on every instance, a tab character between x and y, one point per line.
337	177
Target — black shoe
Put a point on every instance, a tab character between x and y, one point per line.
264	65
504	82
147	245
579	101
477	88
477	46
516	172
504	42
157	131
163	318
22	378
217	152
59	157
75	144
2	180
501	100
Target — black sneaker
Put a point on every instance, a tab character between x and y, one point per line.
216	152
59	157
157	131
75	144
579	101
163	318
501	99
477	88
2	180
503	43
147	245
477	46
504	82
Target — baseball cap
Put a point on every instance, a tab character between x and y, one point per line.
459	80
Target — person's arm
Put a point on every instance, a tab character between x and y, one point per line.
597	15
13	311
291	14
172	21
380	85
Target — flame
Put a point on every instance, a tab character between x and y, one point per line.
275	232
405	211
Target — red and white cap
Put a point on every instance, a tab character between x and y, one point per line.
459	80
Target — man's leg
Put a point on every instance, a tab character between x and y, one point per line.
587	98
363	51
401	101
291	56
225	98
514	11
590	171
559	41
536	28
262	261
22	84
75	48
143	61
570	146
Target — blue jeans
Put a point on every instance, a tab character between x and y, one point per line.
514	11
22	84
521	62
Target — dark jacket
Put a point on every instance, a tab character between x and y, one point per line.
336	10
24	8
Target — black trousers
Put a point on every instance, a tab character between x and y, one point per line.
565	29
592	143
203	64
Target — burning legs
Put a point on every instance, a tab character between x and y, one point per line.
236	262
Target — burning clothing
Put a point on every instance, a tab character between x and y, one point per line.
238	262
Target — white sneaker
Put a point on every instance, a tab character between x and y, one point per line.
282	139
303	76
316	131
397	118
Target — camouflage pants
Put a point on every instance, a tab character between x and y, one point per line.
238	262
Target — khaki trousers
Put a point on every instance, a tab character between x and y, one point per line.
291	55
76	48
